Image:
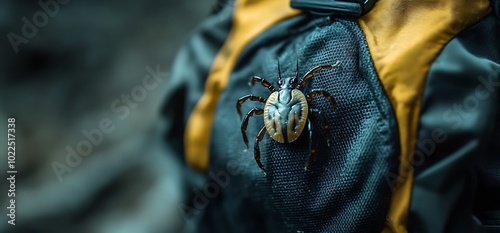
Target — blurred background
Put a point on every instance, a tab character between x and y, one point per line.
66	70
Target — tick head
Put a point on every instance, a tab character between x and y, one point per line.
288	83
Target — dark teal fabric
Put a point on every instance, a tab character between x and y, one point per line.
457	165
189	72
345	188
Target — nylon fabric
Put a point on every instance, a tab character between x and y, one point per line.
461	104
404	38
345	189
186	84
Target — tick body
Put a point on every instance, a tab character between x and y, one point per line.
286	111
285	115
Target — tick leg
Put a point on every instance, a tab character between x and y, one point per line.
262	81
244	124
312	147
245	98
256	149
320	117
310	73
323	93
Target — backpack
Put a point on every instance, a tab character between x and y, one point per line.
394	130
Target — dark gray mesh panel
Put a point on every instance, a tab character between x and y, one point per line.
345	189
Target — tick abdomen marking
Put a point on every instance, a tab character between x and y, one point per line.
285	115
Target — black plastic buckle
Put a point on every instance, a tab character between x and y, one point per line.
352	8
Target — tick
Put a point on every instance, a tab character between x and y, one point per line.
286	111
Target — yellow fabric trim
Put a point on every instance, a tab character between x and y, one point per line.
250	18
404	38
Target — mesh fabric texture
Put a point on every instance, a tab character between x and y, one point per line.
345	188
